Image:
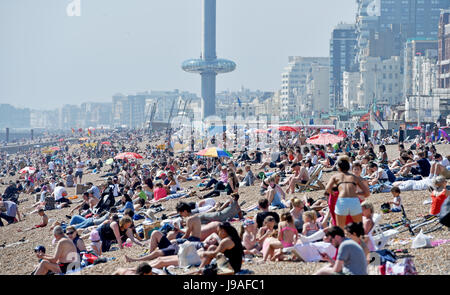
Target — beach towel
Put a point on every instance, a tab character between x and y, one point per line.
310	252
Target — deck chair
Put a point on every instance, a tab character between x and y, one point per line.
377	236
314	182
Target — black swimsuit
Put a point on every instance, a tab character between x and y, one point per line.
234	256
352	182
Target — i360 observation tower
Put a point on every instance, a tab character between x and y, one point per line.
208	66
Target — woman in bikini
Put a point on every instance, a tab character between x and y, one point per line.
348	202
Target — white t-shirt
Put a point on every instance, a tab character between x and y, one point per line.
384	175
80	166
208	204
58	192
51	165
397	200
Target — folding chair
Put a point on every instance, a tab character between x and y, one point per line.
314	182
377	236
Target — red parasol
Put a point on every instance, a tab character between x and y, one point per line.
287	128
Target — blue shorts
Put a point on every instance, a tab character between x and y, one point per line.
348	206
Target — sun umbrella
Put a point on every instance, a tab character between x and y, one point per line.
418	128
324	138
109	161
30	170
83	138
128	155
106	143
54	148
214	153
287	128
261	131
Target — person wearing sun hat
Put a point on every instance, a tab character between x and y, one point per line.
248	236
96	242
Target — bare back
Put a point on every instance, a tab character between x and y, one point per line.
347	184
194	224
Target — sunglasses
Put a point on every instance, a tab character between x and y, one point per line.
69	233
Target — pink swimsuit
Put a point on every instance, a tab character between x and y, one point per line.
284	243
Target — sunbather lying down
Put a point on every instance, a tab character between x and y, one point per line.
142	269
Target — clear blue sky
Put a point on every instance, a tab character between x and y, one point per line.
48	59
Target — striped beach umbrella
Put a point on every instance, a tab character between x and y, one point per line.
128	155
214	152
324	138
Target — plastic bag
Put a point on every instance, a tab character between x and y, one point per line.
187	254
421	241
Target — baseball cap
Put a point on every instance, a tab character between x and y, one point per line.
39	248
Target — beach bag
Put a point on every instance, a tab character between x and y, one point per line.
403	267
187	255
89	258
444	217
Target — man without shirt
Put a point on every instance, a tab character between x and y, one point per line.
65	255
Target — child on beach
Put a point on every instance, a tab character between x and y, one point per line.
266	230
96	243
39	252
287	236
297	213
396	203
248	237
310	225
42	224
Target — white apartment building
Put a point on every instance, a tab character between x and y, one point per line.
293	83
424	73
422	108
350	82
317	90
380	81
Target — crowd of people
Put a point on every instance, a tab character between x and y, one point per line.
116	212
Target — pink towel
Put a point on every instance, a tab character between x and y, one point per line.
436	243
